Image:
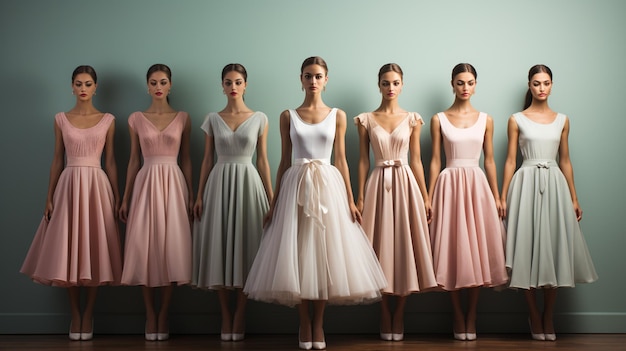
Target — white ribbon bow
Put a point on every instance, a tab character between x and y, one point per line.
309	191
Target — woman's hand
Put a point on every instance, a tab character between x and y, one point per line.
356	214
123	213
268	217
197	208
429	210
578	211
47	212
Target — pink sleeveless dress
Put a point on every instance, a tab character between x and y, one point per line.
158	232
79	245
466	233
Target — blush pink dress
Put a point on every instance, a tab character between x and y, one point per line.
158	232
79	245
394	217
466	233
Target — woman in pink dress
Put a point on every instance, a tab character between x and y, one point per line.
466	231
77	243
156	205
394	200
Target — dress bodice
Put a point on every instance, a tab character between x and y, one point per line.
156	142
83	146
539	141
392	145
312	141
463	146
232	145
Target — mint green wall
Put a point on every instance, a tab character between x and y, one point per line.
42	42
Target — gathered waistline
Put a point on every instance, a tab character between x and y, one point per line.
462	163
155	160
304	161
82	161
234	159
537	162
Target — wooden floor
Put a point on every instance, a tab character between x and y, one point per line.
422	342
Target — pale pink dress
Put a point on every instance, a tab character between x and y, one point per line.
394	217
158	232
466	233
80	245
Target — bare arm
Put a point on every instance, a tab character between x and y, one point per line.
565	163
435	160
185	162
205	170
134	163
55	170
415	162
262	163
490	164
342	164
511	162
285	162
364	164
110	167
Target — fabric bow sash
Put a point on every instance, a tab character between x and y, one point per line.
544	165
309	188
387	174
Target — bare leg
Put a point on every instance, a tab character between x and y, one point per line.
549	299
151	318
536	324
227	321
318	320
385	315
305	322
398	315
470	322
87	320
239	323
459	317
74	295
163	325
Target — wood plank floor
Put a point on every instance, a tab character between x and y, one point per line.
422	342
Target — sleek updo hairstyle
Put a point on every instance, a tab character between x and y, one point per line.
85	69
159	67
389	67
534	70
235	67
464	67
314	60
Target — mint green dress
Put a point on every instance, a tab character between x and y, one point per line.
545	246
227	237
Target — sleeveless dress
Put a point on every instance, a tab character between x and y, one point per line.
227	237
545	246
466	232
80	244
394	217
158	232
312	250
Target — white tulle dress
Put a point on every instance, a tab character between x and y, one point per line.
312	250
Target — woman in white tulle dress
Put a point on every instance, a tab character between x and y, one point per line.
314	250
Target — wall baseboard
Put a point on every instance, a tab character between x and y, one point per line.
280	320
